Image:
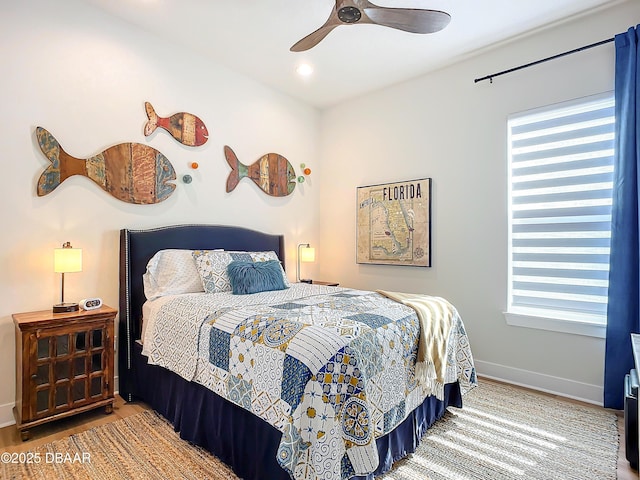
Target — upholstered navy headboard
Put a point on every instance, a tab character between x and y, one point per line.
138	246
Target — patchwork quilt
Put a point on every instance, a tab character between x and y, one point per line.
331	368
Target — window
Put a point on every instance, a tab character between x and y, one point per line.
560	196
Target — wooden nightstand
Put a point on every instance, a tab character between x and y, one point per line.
64	364
328	284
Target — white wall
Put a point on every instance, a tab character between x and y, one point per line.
85	77
444	126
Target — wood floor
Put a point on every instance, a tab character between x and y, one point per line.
10	439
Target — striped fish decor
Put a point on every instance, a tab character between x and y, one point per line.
272	173
131	172
185	127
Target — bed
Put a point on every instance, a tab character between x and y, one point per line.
304	381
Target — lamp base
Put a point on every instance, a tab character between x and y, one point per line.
65	307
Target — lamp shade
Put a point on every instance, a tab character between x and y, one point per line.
67	259
307	254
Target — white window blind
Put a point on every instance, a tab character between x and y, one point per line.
561	179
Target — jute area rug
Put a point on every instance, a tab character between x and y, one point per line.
507	433
502	433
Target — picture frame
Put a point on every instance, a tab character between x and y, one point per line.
394	223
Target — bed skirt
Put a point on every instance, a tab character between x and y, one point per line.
247	443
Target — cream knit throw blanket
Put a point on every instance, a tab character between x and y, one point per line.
436	318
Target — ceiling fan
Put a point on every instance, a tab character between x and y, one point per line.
351	12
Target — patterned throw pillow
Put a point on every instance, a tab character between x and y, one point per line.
212	267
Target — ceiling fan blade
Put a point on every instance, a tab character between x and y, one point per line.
413	20
314	38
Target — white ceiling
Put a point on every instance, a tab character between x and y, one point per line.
253	37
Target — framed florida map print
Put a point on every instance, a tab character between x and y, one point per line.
394	223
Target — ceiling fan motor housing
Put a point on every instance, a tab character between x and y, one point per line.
349	15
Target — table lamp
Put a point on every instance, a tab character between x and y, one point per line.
66	260
306	253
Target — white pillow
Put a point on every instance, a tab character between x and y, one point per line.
171	272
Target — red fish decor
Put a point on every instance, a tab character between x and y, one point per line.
184	127
131	172
272	173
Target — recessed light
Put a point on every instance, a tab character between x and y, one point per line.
304	69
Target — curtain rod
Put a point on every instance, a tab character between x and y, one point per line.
586	47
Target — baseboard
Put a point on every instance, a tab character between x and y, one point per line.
538	381
6	415
6	410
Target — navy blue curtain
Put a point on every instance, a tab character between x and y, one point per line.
624	269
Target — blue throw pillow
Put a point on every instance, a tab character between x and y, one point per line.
254	277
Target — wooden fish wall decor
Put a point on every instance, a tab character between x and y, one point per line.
272	173
131	172
184	127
